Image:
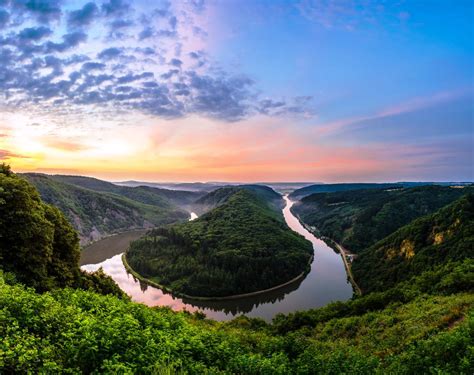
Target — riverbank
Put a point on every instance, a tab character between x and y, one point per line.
331	243
344	254
224	298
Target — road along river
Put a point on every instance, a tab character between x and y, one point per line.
326	281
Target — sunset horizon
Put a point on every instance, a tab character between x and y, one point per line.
238	91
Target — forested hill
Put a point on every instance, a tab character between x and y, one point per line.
358	219
221	195
447	235
38	245
331	188
144	194
96	214
241	246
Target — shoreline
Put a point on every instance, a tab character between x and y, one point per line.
340	248
344	253
223	298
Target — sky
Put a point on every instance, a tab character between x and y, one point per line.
202	90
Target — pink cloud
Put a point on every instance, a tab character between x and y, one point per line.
412	105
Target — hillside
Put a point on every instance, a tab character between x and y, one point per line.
37	244
220	196
144	194
241	246
86	325
358	219
96	214
331	188
445	236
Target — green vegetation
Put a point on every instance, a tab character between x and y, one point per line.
358	219
331	188
220	196
424	324
75	331
447	235
144	194
37	243
96	214
241	246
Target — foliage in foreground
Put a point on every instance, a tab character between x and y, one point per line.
74	331
241	246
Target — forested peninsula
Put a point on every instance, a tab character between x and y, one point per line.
241	246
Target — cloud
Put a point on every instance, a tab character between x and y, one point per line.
88	66
110	53
43	10
4	18
176	62
70	40
34	33
146	33
65	145
412	105
120	24
83	16
138	58
5	154
221	97
115	7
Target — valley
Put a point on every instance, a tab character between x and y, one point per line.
416	282
325	282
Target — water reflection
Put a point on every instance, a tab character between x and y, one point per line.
325	282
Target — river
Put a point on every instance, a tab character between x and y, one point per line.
326	281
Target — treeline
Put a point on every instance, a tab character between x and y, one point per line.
358	219
239	247
219	196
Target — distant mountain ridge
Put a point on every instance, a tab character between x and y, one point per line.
329	188
143	194
184	186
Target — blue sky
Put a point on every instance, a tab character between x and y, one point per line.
331	90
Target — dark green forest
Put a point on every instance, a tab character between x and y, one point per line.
445	236
219	196
331	188
241	246
37	243
358	219
55	319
